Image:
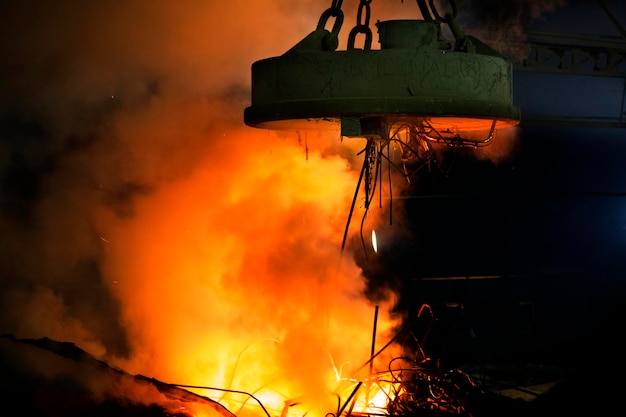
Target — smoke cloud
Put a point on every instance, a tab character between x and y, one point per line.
141	220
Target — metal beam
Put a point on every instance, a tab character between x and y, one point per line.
574	54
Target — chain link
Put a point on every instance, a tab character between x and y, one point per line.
363	19
333	11
362	26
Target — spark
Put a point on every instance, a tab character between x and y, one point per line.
374	241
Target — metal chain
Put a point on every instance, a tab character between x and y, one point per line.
362	26
424	9
462	42
333	11
363	19
448	16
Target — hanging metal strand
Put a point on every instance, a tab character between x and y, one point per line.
374	173
356	193
416	150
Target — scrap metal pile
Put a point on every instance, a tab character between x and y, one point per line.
414	384
419	388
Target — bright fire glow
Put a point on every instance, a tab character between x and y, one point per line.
234	279
165	236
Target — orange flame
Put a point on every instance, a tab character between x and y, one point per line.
224	257
233	279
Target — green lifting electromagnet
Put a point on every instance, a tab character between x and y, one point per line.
418	90
448	90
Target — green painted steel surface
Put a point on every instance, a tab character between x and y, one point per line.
410	76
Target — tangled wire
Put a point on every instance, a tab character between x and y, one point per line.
415	384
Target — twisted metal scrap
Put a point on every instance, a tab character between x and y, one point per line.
416	386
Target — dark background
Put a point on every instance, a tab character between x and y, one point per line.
522	259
